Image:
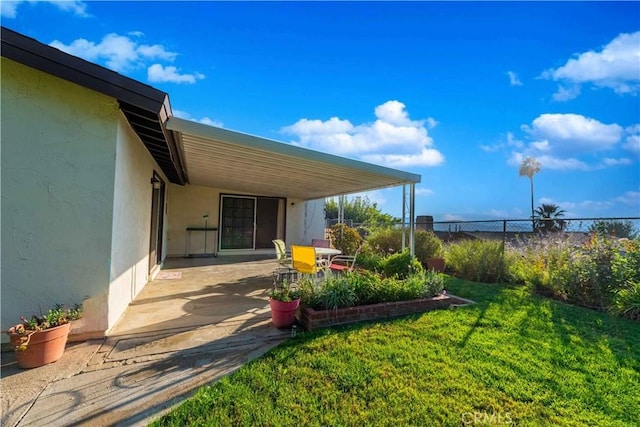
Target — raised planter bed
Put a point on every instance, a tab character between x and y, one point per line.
313	319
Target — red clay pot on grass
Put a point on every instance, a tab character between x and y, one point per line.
42	347
283	314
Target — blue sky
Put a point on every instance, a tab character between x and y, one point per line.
457	92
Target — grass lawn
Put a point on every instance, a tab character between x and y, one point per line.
511	358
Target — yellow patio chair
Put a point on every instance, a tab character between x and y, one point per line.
305	260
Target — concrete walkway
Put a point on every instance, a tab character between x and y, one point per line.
178	334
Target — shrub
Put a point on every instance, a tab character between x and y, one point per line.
361	288
427	246
337	292
615	228
600	274
626	302
478	260
626	273
345	238
388	241
370	260
385	241
626	262
401	265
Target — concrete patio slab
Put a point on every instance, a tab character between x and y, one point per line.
180	333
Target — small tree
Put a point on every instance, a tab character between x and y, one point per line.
547	218
359	210
614	227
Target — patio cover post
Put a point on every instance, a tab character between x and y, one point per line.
404	215
412	219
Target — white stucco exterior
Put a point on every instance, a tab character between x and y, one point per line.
58	170
305	221
131	229
76	201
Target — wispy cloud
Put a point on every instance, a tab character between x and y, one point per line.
613	204
158	73
616	66
421	191
513	79
205	120
9	8
393	139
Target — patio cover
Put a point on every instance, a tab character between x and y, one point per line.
216	157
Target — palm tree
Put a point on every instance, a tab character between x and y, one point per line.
548	218
529	167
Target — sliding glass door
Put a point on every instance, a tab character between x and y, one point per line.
248	222
237	219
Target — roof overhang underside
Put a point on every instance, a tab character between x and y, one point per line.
233	161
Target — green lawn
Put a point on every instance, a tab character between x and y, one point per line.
511	358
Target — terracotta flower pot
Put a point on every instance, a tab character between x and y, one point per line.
42	347
283	314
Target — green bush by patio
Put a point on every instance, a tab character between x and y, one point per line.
513	356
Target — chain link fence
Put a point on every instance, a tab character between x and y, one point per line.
514	231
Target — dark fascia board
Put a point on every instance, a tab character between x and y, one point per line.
127	91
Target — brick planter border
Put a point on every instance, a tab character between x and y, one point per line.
313	319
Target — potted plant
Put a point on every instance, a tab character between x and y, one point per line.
284	303
41	339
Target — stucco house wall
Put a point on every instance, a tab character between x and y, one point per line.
305	221
131	229
58	171
76	201
187	207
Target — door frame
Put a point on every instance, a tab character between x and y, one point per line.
281	218
156	240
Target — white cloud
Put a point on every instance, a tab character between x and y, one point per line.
428	157
205	120
157	73
607	161
574	133
120	53
616	66
633	128
393	139
77	7
424	191
631	198
513	79
566	93
431	122
574	208
632	143
549	162
9	8
453	217
208	121
569	142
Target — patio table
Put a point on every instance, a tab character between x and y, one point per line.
327	252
